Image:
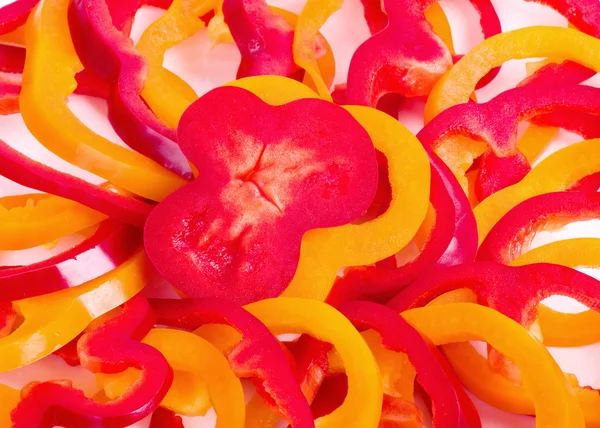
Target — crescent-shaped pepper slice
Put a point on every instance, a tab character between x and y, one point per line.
256	354
236	231
30	220
48	79
59	317
111	347
362	406
552	396
558	172
111	245
105	48
198	366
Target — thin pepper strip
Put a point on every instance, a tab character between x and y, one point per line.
47	82
111	245
109	51
450	404
257	355
112	347
59	317
559	328
190	356
558	172
362	406
14	15
164	418
30	220
23	170
512	234
554	400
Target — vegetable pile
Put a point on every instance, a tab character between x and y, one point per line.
278	205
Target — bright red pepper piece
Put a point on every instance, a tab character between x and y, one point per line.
258	354
105	48
112	244
165	418
110	348
14	14
268	174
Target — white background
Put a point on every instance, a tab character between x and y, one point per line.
205	67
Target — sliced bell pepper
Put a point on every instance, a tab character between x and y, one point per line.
167	94
237	232
197	366
263	37
14	14
553	398
559	328
511	235
30	220
458	84
112	347
558	172
111	245
23	170
362	406
47	82
104	48
450	404
257	354
164	418
59	317
9	398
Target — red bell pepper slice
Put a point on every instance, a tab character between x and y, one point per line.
8	318
451	406
510	237
269	174
100	35
112	244
263	37
165	418
19	168
258	354
452	240
13	15
591	183
496	123
112	347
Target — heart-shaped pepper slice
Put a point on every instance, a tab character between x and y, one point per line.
267	175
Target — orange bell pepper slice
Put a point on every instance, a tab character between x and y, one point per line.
362	407
554	401
559	328
203	378
9	398
53	320
48	80
556	173
27	221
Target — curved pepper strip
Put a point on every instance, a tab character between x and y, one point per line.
558	172
166	93
59	317
512	234
554	401
451	407
47	82
112	347
362	406
263	37
23	170
495	123
257	354
110	52
30	220
458	84
111	245
12	60
14	15
9	398
559	328
190	356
